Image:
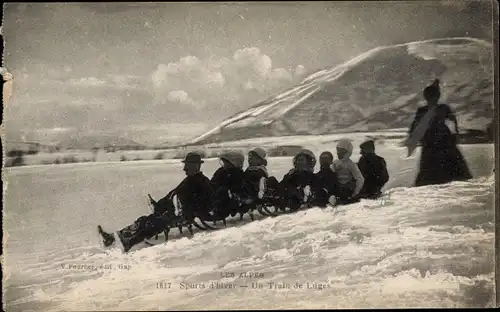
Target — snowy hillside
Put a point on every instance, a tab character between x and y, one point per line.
430	246
379	89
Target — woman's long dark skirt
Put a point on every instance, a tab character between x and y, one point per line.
442	164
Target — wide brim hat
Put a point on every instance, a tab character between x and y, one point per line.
259	152
193	158
237	159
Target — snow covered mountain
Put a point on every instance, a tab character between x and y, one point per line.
380	89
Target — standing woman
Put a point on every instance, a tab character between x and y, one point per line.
440	161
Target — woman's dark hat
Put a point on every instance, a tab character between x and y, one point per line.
193	158
433	90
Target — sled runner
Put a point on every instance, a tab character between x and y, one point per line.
147	230
175	220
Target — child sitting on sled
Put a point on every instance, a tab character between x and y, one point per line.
299	184
256	172
349	177
327	179
374	170
256	177
230	185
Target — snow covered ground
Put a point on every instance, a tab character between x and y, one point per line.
421	247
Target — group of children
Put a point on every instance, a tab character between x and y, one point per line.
233	190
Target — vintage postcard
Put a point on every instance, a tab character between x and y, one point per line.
259	155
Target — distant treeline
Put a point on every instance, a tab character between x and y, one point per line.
19	153
16	158
112	149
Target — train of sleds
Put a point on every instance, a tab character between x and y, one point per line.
207	204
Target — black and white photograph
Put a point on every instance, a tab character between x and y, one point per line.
249	155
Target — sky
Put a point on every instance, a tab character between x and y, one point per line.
155	71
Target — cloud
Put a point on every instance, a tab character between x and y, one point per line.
245	77
254	60
281	74
300	71
180	96
87	81
124	80
216	79
189	89
120	82
159	76
81	102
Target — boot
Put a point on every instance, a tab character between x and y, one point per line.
126	243
107	239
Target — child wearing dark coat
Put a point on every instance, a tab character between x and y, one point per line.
256	173
300	183
257	183
374	170
327	180
229	184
